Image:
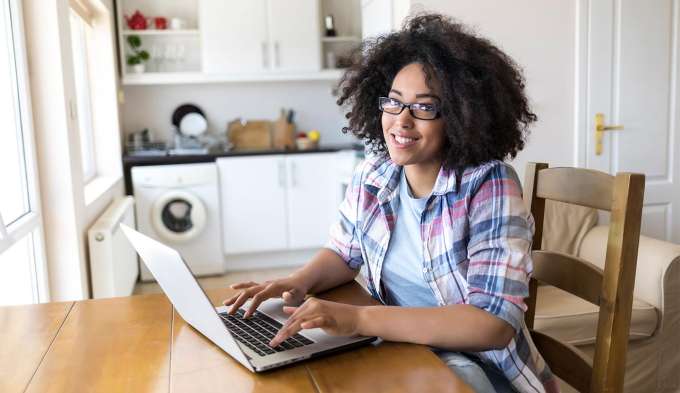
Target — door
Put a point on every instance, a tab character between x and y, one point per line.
313	185
629	75
294	35
234	36
252	193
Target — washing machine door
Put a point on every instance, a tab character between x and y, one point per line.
178	216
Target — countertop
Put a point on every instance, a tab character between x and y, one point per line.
130	161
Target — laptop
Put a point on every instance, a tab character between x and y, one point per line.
245	340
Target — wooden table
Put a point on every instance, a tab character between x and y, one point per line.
139	344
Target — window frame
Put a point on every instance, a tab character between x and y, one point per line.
30	223
84	112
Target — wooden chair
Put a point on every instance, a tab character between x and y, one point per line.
611	289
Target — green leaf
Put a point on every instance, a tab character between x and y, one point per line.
144	55
132	60
134	41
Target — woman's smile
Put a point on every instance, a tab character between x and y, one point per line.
402	141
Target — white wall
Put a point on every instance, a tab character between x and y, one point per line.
152	106
540	36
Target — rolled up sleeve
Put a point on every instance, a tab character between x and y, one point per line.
499	250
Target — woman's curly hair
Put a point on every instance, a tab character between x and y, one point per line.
485	110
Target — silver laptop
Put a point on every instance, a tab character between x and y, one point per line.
246	340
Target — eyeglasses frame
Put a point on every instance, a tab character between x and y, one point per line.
409	106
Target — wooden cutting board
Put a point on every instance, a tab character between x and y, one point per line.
255	134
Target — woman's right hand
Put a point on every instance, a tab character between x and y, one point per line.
289	288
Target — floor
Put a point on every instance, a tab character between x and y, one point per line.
223	280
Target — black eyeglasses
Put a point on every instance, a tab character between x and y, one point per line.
417	110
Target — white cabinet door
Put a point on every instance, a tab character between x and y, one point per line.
234	36
313	188
253	197
294	34
382	16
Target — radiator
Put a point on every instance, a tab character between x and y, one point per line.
113	261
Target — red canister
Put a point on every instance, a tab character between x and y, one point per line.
161	23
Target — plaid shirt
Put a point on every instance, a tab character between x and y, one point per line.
476	236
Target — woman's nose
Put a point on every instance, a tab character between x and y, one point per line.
405	119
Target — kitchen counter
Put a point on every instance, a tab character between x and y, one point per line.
131	161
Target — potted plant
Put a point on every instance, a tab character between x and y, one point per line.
139	56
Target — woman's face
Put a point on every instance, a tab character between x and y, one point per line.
412	141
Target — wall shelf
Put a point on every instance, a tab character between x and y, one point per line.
162	78
161	32
340	39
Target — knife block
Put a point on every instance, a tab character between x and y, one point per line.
283	134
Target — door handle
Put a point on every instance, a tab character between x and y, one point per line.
293	174
600	128
265	55
282	175
277	58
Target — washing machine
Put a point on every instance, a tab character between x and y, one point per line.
179	206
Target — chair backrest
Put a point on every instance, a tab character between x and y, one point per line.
611	289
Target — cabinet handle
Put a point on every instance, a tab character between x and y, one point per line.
282	180
293	174
277	58
265	56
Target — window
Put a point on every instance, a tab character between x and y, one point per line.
22	262
81	33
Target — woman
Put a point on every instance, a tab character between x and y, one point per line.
436	216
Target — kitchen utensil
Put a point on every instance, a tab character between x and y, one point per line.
306	144
255	134
330	26
177	23
170	54
193	124
137	21
156	57
331	60
182	111
161	23
284	131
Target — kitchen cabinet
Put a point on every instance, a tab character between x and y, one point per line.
278	202
294	32
247	41
252	192
384	16
313	197
260	36
233	35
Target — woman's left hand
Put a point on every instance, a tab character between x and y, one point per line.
336	319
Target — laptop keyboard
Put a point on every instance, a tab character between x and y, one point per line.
257	331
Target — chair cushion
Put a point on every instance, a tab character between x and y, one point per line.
573	320
565	225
